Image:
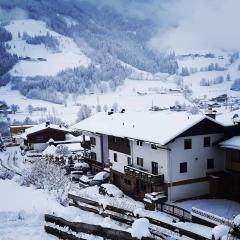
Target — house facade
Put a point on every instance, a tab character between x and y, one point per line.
181	168
37	137
154	152
96	152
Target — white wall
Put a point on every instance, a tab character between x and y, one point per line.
196	158
188	191
40	146
101	147
122	160
105	149
95	148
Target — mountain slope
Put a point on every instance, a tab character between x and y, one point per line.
38	59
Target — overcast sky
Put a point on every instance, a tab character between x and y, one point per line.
188	25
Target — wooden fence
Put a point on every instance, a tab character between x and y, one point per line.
176	211
128	217
67	230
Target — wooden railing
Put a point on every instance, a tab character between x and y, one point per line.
175	211
128	217
67	230
144	175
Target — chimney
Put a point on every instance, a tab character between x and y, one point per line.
47	123
211	113
111	112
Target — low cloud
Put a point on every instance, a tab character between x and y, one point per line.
13	14
201	26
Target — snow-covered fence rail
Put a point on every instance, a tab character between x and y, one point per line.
209	219
67	230
128	217
175	211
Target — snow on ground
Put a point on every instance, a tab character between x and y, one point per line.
221	207
21	212
126	96
69	56
12	159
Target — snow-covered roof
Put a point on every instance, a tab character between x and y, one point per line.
43	126
232	143
155	127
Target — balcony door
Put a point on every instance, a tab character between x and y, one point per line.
155	168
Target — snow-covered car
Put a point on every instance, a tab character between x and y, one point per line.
81	166
76	175
100	178
85	180
110	190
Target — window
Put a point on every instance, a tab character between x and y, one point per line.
155	168
154	146
93	141
129	161
114	139
93	156
187	143
183	167
140	161
115	157
207	142
210	163
139	143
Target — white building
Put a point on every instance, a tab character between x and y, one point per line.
156	151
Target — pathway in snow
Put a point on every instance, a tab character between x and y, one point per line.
12	160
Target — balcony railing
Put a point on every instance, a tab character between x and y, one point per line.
87	158
144	175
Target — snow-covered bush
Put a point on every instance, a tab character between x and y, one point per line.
6	174
62	150
236	85
140	228
44	174
220	231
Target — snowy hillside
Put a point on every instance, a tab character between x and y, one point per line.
40	60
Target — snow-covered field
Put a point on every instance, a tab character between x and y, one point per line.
221	207
69	55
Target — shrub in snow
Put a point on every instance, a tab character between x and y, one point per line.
140	228
45	174
62	150
237	220
220	231
6	174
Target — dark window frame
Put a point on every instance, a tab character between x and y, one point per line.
115	157
207	142
140	161
140	143
210	163
155	168
183	168
93	141
187	143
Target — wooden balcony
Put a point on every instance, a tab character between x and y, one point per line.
233	165
87	158
144	175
